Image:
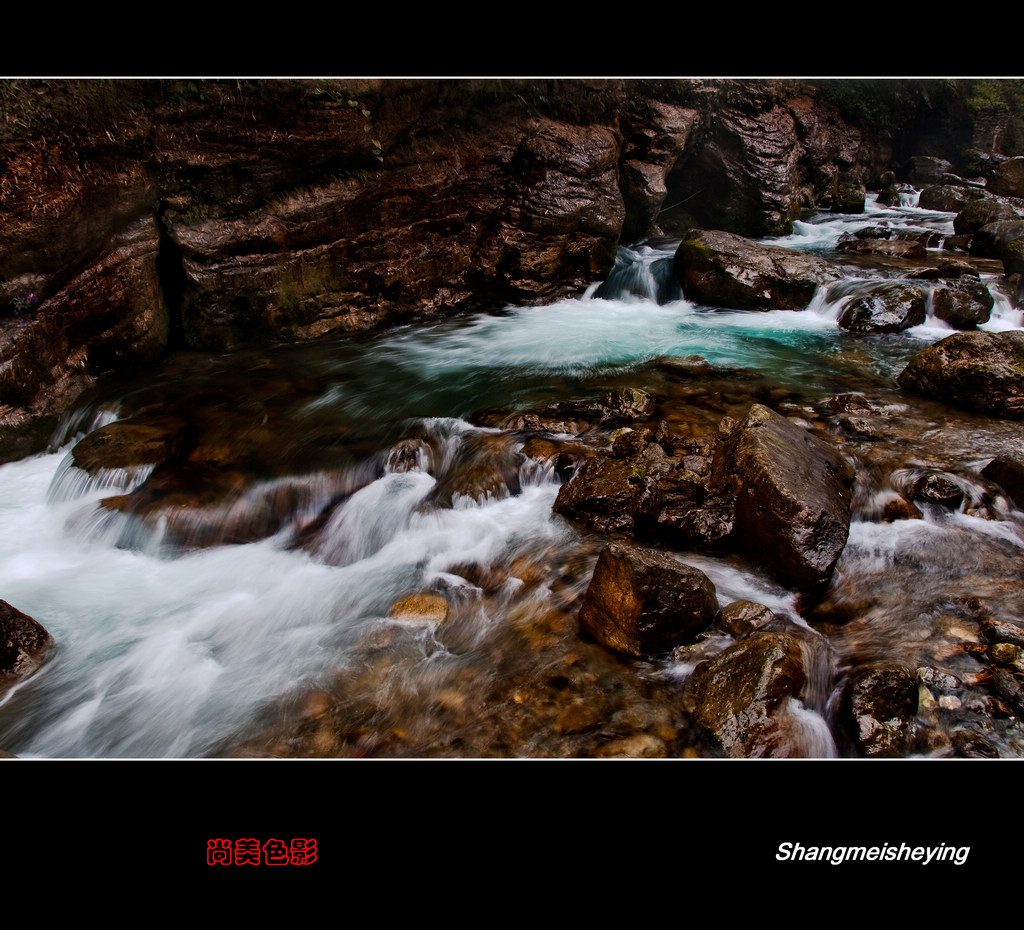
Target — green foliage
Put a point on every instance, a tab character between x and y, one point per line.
1006	94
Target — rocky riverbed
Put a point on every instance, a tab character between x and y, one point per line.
431	542
525	419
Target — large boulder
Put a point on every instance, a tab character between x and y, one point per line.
976	370
23	645
643	601
947	197
721	269
792	497
1009	178
927	169
980	213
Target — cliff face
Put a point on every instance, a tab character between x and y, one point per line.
216	215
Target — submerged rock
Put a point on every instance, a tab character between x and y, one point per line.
642	602
977	370
422	606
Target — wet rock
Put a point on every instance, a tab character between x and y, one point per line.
947	197
970	744
878	708
486	467
965	305
996	240
1004	653
1008	179
23	645
927	169
422	606
888	308
952	268
102	310
1001	631
792	497
574	417
1008	686
741	618
124	444
412	454
981	213
1012	255
609	492
643	602
936	488
899	508
977	370
738	697
1009	475
849	197
892	248
721	269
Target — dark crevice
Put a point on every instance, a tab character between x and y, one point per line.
171	274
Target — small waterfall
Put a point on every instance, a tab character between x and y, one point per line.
643	273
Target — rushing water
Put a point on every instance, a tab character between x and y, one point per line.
261	623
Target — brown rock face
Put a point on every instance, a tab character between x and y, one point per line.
977	370
110	318
642	601
523	211
792	497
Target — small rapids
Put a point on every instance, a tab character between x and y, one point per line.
357	561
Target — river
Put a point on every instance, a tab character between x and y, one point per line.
262	620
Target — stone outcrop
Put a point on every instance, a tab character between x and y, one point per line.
977	370
1009	178
721	269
